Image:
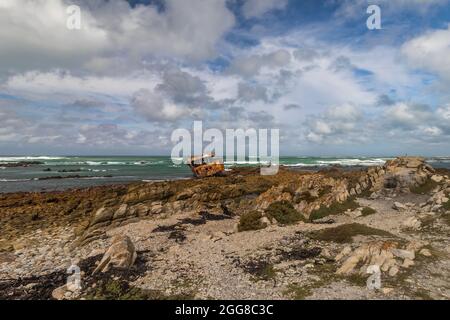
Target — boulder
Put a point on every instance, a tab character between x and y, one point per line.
437	178
64	293
121	212
121	254
102	215
59	293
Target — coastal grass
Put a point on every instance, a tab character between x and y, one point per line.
266	273
121	290
261	270
284	213
251	221
334	209
357	279
298	292
446	205
424	188
325	273
367	211
345	233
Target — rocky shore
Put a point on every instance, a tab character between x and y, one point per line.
296	235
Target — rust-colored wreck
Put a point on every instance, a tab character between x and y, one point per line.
205	166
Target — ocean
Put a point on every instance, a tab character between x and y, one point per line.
60	173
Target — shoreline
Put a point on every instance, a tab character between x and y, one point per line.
102	181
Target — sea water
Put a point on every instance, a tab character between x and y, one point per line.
60	173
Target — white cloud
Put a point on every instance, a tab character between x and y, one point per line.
252	92
430	51
408	115
154	107
60	84
251	65
33	34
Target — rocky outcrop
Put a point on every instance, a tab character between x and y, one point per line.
400	174
386	255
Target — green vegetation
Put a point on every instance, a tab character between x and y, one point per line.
284	213
424	188
120	290
334	209
345	233
251	221
357	279
298	292
261	270
367	211
266	273
446	205
326	274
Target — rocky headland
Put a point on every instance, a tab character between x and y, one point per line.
295	235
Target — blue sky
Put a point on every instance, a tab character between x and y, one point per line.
137	70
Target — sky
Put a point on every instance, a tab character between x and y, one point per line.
137	70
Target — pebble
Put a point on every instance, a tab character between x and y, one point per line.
425	252
393	271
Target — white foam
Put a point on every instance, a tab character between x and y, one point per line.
29	158
14	180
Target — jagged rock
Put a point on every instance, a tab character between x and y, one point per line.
121	254
407	263
400	174
372	253
377	253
